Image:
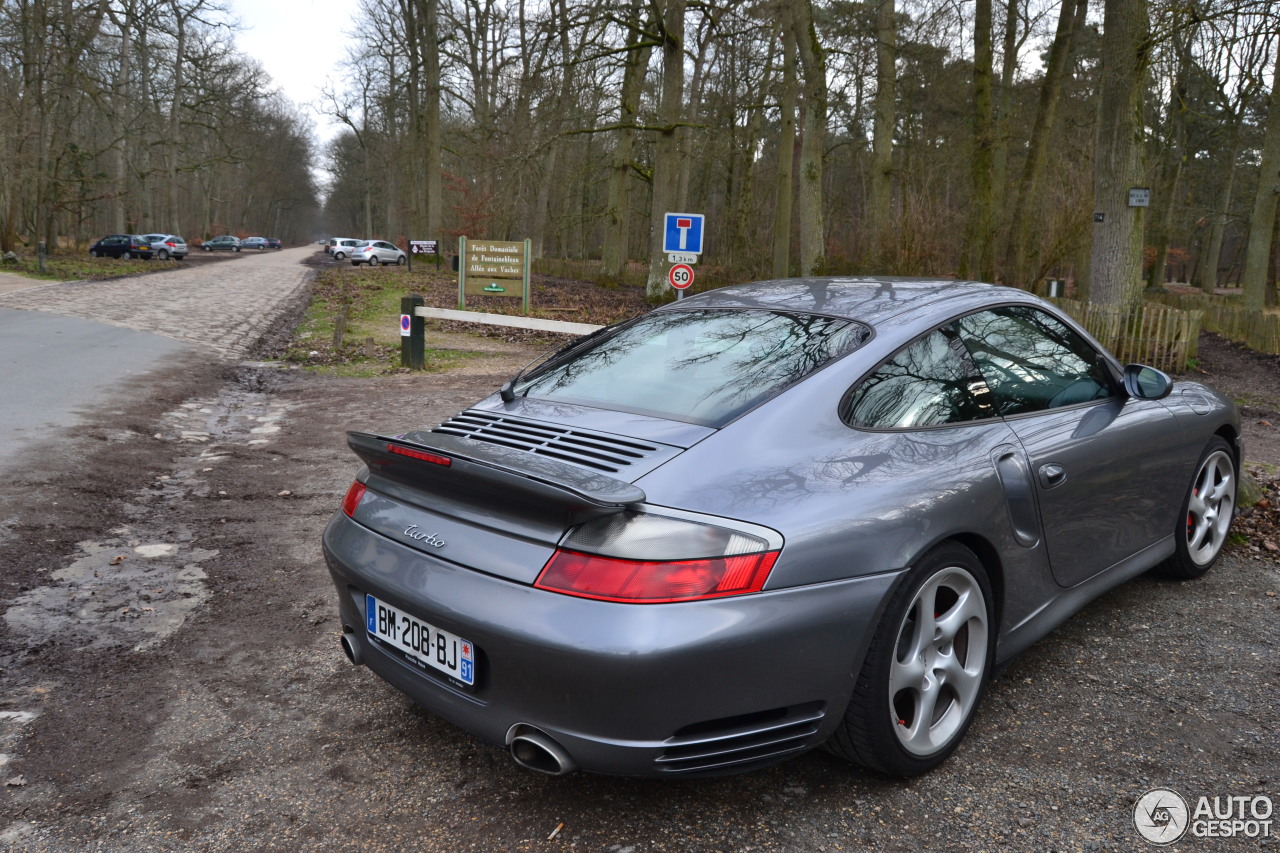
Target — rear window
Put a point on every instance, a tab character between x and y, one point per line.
703	367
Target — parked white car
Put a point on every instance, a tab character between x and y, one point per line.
340	247
374	252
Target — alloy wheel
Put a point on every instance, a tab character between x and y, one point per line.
940	659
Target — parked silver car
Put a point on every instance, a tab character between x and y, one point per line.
166	246
374	252
772	517
340	247
226	243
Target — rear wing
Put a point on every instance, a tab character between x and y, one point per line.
456	467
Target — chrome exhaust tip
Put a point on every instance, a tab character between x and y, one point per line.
349	647
532	749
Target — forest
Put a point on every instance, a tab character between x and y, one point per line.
1116	144
142	116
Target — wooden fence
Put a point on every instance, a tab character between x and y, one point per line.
1225	316
1155	335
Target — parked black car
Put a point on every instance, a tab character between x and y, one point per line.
274	243
121	246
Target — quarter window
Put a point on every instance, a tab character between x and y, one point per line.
931	382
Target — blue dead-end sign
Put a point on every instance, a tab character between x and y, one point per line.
683	233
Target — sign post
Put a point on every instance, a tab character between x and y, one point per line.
423	247
493	268
412	333
682	242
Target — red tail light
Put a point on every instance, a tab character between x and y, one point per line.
352	499
654	582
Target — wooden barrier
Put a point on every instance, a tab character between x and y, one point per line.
1224	316
1155	335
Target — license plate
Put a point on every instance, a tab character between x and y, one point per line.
421	641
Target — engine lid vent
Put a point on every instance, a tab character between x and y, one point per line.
600	451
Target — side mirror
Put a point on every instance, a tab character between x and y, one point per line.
1146	383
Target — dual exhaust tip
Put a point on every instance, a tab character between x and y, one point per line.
531	748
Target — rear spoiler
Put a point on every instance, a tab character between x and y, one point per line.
452	463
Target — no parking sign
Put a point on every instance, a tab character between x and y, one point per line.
406	323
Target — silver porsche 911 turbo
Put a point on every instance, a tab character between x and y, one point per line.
768	518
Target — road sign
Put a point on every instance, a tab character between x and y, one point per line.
681	258
406	325
681	276
424	247
683	233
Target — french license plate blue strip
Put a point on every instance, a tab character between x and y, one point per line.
421	641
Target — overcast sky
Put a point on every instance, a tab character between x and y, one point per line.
299	43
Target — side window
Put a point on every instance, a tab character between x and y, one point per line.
928	383
1032	361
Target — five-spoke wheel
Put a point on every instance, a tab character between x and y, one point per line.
926	668
1206	514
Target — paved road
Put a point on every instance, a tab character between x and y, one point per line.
67	348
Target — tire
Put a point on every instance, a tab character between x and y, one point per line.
163	254
93	253
236	248
337	256
399	260
206	248
126	256
1207	510
373	260
926	669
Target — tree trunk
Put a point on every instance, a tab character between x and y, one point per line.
1263	221
1002	129
1173	160
783	188
666	168
880	192
1041	133
617	235
431	115
813	67
1208	282
980	260
1116	275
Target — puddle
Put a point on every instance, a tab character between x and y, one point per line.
138	585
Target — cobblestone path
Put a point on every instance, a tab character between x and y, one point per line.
225	304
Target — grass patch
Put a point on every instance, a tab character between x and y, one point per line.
369	344
83	268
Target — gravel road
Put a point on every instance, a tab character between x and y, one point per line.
172	679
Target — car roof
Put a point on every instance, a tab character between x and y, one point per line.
874	300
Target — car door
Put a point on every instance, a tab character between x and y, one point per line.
1103	465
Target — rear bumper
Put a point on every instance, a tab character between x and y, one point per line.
696	688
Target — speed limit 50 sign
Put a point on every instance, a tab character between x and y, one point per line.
681	276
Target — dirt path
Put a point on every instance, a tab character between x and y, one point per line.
172	679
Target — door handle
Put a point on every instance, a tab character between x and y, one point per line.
1052	475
